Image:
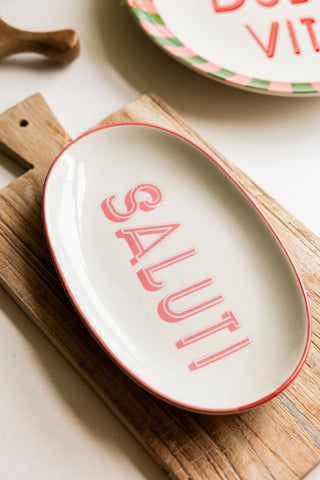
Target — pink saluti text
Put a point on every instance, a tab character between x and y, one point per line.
151	281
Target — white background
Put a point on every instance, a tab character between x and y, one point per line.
52	425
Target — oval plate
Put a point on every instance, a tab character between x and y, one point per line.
174	269
266	46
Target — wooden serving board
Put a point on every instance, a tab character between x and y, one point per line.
279	440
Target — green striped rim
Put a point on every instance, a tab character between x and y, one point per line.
171	42
255	84
259	84
303	88
147	16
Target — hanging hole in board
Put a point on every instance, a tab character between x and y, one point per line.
24	123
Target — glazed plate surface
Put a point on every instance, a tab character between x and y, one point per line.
266	46
174	269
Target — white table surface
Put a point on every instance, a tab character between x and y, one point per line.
52	426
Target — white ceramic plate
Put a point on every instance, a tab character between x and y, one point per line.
267	46
174	269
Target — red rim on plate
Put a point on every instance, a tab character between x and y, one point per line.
102	342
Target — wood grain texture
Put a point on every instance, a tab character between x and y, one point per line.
278	440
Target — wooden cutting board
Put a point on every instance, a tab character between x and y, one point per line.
279	440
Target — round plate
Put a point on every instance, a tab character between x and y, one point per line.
266	46
175	270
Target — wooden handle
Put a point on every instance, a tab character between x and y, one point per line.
31	134
61	46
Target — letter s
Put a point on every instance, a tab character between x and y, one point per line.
110	211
